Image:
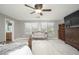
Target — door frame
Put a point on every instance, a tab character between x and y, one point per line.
7	19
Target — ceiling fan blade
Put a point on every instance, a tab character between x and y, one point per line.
46	10
32	12
29	6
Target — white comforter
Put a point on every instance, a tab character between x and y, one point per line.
16	48
25	50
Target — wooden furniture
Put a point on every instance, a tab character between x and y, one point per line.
72	29
8	37
61	32
30	43
72	37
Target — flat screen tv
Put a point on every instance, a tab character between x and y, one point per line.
67	22
72	20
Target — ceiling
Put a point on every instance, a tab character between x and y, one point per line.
21	12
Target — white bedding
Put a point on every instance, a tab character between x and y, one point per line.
15	48
25	50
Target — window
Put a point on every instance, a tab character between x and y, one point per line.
8	26
39	26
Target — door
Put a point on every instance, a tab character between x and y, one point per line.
9	30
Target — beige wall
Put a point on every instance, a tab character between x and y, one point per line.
2	28
18	28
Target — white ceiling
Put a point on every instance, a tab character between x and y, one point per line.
21	12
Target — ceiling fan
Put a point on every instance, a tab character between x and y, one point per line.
38	8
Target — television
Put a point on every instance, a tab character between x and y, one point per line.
67	23
72	20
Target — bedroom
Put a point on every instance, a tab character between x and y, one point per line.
37	31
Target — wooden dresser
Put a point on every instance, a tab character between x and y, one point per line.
61	32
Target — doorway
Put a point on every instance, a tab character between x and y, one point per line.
9	30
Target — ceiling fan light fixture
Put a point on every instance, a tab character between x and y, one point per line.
38	11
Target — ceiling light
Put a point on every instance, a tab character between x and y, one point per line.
38	11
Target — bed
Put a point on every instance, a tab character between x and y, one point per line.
39	35
15	48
